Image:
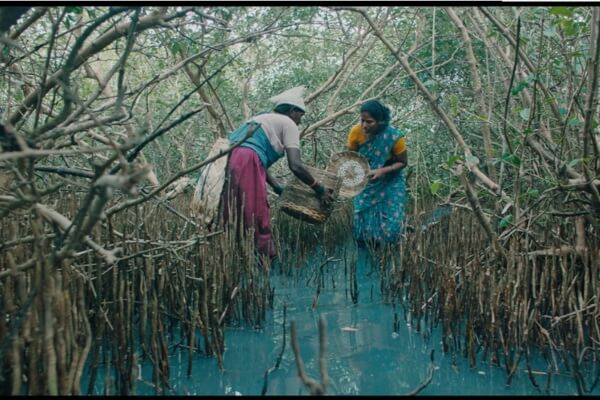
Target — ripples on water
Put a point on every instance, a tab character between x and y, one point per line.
364	354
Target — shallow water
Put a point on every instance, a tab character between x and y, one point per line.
364	355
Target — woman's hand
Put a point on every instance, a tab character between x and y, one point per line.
377	173
325	194
326	197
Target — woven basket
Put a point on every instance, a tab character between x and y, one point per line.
300	201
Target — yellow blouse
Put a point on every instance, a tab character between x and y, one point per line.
356	137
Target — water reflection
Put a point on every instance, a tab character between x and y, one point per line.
367	354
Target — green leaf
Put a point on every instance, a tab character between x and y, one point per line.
562	11
453	100
574	162
562	111
175	47
435	186
569	28
519	87
524	113
74	9
505	222
512	159
452	160
532	194
574	122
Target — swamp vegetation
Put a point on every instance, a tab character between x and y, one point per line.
108	114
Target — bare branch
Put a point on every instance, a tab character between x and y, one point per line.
483	219
433	102
505	32
15	155
193	168
110	256
120	30
477	90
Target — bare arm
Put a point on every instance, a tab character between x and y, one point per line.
297	167
395	163
277	188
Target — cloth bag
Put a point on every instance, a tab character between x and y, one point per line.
207	194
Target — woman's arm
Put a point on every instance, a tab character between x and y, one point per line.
395	163
277	188
297	167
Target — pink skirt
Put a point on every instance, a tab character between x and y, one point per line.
246	193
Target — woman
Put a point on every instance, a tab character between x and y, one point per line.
379	208
246	191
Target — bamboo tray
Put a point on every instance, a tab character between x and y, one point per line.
353	171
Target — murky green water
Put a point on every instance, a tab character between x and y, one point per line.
364	354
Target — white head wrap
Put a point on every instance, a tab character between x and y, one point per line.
291	96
